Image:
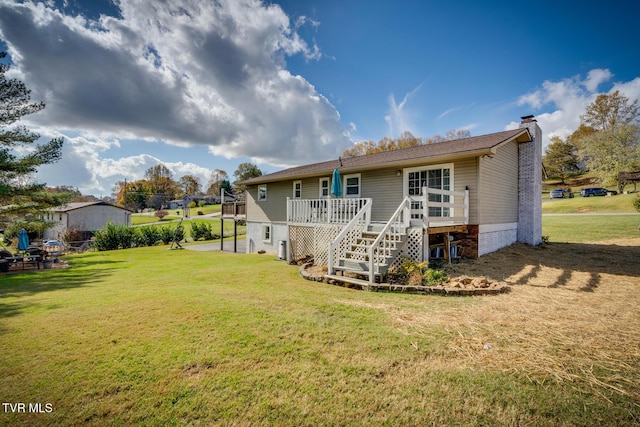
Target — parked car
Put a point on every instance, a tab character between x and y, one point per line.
596	191
560	193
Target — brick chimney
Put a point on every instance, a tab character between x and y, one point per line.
530	184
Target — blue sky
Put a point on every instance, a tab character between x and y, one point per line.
203	85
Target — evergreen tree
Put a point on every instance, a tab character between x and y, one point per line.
20	156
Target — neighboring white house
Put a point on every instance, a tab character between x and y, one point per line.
84	217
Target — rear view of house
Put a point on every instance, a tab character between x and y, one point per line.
84	217
466	197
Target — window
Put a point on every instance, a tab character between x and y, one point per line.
352	185
297	189
262	193
266	233
325	188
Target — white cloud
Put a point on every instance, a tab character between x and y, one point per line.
564	101
595	78
399	117
182	72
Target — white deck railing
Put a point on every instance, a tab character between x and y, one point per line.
389	237
324	211
455	211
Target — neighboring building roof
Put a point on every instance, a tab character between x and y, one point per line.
459	148
79	205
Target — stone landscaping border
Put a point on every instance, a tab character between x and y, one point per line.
464	286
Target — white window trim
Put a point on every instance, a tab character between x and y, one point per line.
267	233
405	175
344	185
294	189
265	192
320	195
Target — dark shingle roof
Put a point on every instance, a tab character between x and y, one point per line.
473	146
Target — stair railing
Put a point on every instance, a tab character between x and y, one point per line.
389	236
360	221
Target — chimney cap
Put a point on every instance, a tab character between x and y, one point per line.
528	119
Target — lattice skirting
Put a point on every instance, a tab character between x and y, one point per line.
314	241
412	247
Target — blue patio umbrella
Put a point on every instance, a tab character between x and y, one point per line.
336	183
23	240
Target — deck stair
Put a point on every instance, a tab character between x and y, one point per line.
370	249
357	257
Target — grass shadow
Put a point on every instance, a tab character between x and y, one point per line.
577	266
31	282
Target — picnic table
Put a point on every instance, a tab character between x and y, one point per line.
24	260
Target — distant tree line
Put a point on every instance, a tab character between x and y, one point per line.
606	143
406	140
158	187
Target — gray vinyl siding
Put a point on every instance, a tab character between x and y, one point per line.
274	209
498	192
466	176
384	186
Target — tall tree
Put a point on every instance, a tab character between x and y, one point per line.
162	185
218	176
609	111
614	145
20	156
132	195
244	172
560	159
190	184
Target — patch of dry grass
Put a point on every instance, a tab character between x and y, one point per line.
572	316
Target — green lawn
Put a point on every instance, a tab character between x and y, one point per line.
590	228
215	225
174	214
148	336
604	204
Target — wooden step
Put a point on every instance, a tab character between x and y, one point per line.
366	254
345	279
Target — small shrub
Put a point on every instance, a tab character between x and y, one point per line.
200	213
168	232
148	236
178	234
161	213
636	203
201	203
73	235
201	231
433	277
114	236
409	266
192	204
414	273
